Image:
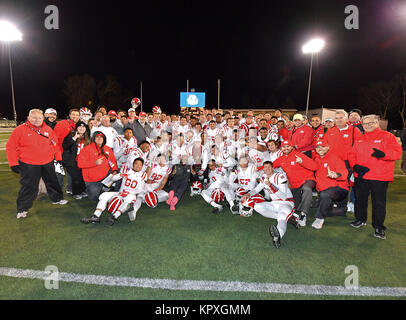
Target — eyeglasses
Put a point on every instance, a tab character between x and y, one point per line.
368	123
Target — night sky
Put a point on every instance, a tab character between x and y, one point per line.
254	47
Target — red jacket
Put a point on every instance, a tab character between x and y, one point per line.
381	169
341	141
62	129
334	163
297	173
87	161
318	134
28	146
302	138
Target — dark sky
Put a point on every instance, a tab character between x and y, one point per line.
254	47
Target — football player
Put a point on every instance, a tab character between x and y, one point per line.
158	174
123	146
282	205
217	180
131	192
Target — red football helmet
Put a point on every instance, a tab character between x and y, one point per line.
156	109
217	195
239	193
196	188
114	204
135	102
85	110
258	198
151	199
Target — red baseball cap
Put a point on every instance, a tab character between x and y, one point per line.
143	114
286	143
112	112
322	143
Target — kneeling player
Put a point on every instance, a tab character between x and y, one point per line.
158	174
131	192
282	205
217	184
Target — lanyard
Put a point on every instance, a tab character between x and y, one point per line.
39	132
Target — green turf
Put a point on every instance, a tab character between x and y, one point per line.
191	243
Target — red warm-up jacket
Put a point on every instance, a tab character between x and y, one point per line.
87	162
341	141
334	163
62	129
29	146
284	134
302	138
297	173
381	169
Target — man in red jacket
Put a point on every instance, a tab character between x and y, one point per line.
331	183
97	161
373	160
301	135
299	169
31	151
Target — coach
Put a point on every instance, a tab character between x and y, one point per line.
373	160
140	127
302	135
31	151
96	161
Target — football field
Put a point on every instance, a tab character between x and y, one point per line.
193	254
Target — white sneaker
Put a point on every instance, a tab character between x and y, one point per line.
350	207
61	202
22	214
132	215
302	220
69	191
77	197
83	194
318	223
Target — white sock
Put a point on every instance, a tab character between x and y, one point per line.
97	213
117	214
215	205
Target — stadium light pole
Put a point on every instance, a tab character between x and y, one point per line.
312	47
9	33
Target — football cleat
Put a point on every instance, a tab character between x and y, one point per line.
132	215
92	219
293	220
61	202
111	220
276	238
217	210
302	220
318	223
235	209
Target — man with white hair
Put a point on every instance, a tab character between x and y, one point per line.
31	151
105	127
372	158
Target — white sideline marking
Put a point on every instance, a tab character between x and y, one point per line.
233	286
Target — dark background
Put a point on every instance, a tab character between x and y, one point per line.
254	47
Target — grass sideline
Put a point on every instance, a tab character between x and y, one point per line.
191	244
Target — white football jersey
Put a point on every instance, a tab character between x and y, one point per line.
246	179
276	185
122	149
217	179
158	173
137	153
133	182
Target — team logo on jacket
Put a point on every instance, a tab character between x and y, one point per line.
377	141
46	134
325	165
107	152
346	136
292	163
301	131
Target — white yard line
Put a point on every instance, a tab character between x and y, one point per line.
195	285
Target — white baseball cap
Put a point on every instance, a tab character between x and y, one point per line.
51	110
131	109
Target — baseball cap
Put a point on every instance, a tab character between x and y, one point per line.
112	112
356	111
143	114
131	109
329	119
50	110
322	143
297	116
286	143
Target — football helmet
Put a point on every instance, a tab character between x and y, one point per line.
196	188
217	195
247	208
151	199
156	109
85	114
135	102
239	193
114	205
